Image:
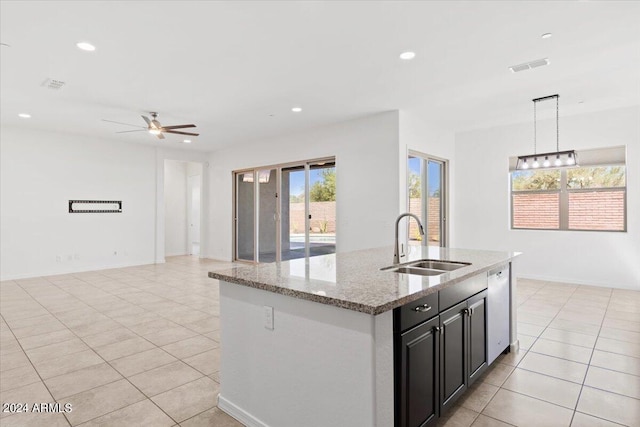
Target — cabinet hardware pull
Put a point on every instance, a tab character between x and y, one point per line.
436	329
422	308
466	311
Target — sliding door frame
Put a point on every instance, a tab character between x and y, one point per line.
256	206
444	194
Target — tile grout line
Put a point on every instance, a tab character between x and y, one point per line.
34	368
105	361
203	375
575	409
528	350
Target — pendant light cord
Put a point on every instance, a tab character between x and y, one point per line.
557	123
535	132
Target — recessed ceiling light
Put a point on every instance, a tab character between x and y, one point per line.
187	141
86	46
407	55
296	109
546	35
24	116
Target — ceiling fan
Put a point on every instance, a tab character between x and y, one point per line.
155	128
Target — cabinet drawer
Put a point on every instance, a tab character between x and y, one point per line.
415	312
461	291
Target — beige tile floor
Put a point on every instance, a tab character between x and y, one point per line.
134	346
579	363
139	346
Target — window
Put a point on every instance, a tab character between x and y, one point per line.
589	197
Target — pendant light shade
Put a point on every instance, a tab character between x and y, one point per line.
554	159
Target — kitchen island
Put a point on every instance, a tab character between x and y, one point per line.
311	341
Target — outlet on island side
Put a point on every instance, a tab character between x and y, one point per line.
268	317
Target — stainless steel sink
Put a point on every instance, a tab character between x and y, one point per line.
438	265
427	267
418	271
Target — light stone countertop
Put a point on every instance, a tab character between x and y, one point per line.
353	280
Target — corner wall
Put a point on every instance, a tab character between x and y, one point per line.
482	201
366	152
175	208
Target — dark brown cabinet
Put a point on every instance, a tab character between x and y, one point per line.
438	359
453	363
477	325
417	392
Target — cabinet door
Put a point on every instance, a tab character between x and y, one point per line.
417	376
453	349
477	315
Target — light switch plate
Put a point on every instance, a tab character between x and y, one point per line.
268	317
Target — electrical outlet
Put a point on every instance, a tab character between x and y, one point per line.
76	257
58	258
268	317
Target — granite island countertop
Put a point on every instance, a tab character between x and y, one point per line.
355	281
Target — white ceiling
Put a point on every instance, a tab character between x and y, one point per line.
236	68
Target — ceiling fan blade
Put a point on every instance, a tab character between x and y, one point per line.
137	130
178	126
160	136
126	124
146	119
181	133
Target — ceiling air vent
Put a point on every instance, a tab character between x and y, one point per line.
53	84
529	65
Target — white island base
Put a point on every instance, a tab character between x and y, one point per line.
320	365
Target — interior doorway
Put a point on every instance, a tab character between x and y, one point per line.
194	183
182	207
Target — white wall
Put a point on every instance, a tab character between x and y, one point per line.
175	208
482	201
42	171
367	178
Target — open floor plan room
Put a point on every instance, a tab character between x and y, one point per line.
140	346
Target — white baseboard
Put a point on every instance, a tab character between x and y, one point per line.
75	270
238	413
576	282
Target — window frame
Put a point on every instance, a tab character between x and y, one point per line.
563	200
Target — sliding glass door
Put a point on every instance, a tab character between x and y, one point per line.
290	211
245	212
426	199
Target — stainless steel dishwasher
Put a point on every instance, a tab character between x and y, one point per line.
498	321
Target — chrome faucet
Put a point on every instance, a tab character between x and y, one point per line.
396	253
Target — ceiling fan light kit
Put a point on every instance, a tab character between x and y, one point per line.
155	128
552	160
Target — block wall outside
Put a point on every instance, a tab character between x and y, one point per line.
600	210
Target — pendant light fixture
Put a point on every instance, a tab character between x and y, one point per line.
556	159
